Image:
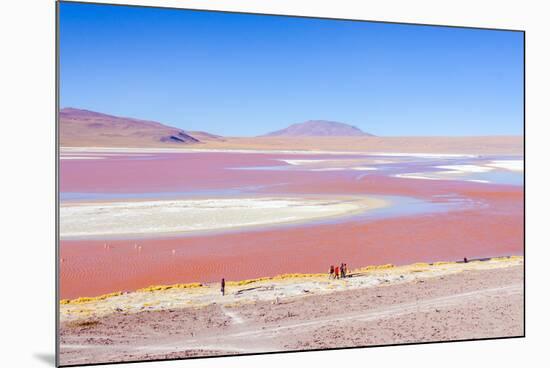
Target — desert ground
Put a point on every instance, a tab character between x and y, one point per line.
474	145
376	305
471	145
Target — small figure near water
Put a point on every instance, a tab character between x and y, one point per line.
223	287
331	272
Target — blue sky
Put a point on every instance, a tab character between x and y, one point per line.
245	75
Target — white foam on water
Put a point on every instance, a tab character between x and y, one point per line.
465	168
357	168
302	162
440	175
416	176
423	155
512	165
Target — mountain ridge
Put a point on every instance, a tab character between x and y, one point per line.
319	128
81	126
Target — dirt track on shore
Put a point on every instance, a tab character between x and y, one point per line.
464	305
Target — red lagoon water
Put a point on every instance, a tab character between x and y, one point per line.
492	228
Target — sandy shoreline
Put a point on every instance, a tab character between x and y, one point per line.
377	305
416	144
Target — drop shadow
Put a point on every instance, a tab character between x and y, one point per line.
47	358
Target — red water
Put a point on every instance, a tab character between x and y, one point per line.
89	268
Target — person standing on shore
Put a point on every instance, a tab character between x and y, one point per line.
331	272
223	287
336	272
343	270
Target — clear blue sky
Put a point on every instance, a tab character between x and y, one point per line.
242	75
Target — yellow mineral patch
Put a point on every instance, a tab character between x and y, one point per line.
168	287
419	267
246	282
274	278
420	264
443	263
151	304
375	268
86	299
505	258
84	323
297	276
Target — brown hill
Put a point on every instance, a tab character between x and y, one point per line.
205	137
79	127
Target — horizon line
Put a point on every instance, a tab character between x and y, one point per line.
264	135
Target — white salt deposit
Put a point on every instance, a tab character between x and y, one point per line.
512	165
182	216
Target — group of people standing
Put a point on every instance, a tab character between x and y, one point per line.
338	272
335	272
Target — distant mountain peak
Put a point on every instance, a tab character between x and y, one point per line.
319	128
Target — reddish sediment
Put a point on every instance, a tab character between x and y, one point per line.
88	268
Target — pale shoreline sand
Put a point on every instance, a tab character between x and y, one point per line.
377	305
